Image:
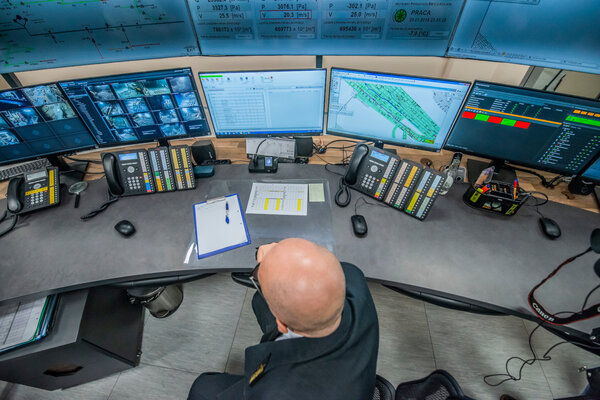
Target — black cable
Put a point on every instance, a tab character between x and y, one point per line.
255	156
553	79
367	202
527	171
111	199
15	219
538	203
343	191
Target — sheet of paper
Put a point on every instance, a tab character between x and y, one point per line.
278	199
316	192
19	322
213	233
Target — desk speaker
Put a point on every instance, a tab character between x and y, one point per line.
203	150
579	186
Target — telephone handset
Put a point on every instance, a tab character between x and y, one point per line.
371	170
128	173
33	191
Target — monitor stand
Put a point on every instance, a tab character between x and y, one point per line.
379	145
162	142
69	172
502	172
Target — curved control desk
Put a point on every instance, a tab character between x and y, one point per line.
457	252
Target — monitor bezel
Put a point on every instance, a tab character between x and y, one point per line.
393	143
55	153
266	135
595	159
141	141
448	146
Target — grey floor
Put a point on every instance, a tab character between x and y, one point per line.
215	324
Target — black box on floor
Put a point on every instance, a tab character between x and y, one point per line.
96	333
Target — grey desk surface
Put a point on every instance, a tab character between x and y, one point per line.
457	251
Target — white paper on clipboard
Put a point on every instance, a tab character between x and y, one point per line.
213	234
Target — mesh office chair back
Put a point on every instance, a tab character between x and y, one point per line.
439	385
384	390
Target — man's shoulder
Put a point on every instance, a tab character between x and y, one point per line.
352	271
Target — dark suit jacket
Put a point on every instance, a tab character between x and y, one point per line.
339	366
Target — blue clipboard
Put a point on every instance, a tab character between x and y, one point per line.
220	226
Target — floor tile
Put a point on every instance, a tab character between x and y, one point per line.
405	350
248	334
562	370
147	382
5	387
470	346
96	390
198	336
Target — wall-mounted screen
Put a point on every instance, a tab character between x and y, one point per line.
365	27
549	33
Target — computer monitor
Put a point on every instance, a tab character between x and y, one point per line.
542	130
139	107
265	103
39	121
396	109
548	33
593	172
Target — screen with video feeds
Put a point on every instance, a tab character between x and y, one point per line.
543	130
267	103
548	33
139	107
593	171
39	121
400	110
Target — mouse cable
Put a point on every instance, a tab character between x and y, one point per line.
111	199
538	202
343	191
15	219
356	206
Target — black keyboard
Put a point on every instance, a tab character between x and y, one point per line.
8	173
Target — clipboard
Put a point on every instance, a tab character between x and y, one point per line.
214	234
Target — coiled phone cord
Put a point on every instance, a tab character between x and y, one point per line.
15	219
343	191
103	207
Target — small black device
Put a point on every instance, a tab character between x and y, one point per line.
550	228
304	146
128	173
262	164
224	161
33	191
203	150
162	169
183	167
125	228
204	171
359	225
580	186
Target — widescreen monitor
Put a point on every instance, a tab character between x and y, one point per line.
139	107
396	109
39	121
593	172
543	130
266	103
548	33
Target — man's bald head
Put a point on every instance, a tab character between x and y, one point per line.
304	286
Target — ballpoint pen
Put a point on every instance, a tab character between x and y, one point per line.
226	212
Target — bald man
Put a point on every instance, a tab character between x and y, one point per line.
320	328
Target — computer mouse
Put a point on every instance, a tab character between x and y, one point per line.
125	228
359	225
550	228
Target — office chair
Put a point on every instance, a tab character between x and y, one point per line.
384	390
439	385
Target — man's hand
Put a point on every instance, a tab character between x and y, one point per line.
263	250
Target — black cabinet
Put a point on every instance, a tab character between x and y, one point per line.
96	333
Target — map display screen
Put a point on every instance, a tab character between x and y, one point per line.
401	110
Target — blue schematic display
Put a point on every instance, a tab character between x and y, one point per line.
38	121
593	172
402	110
266	102
139	107
58	33
548	33
367	27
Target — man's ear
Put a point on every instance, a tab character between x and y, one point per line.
281	327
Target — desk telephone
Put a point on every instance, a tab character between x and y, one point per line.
33	191
400	183
160	169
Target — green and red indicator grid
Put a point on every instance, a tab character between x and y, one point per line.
496	120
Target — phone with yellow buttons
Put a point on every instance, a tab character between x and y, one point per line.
33	191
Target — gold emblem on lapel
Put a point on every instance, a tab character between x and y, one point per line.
259	371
